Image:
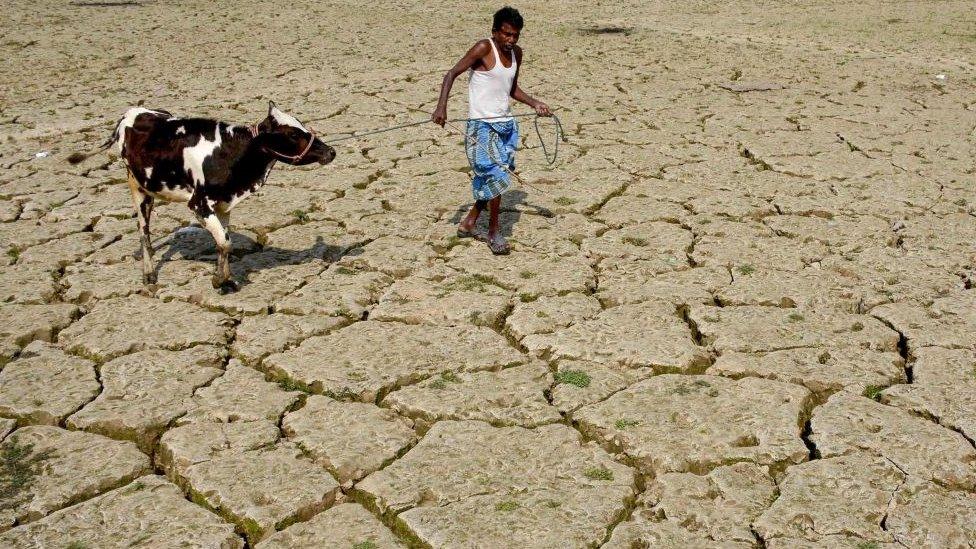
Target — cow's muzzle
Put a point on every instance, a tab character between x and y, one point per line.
328	154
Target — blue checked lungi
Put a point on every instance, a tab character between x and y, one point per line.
489	146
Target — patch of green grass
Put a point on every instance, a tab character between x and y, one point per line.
795	317
565	201
599	473
527	298
289	384
19	466
506	505
13	253
625	423
527	274
857	327
437	384
681	389
300	215
451	377
578	378
345	271
634	241
541	314
746	269
252	529
368	544
552	504
468	283
873	392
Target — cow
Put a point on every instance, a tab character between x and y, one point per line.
209	165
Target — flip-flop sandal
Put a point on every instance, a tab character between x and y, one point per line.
499	246
461	233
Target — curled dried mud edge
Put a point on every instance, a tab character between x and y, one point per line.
683	311
391	518
936	419
604	437
906	356
370	395
249	528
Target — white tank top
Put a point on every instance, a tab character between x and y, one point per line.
489	92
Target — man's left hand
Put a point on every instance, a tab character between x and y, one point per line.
542	109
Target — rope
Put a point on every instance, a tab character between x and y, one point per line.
559	136
551	159
517	177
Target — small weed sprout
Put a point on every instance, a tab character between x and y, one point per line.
507	506
746	269
625	423
578	378
599	473
300	215
873	392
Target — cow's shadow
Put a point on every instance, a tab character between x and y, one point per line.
194	243
510	215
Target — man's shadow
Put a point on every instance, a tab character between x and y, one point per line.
247	256
508	217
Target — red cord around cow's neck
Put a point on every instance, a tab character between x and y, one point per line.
286	157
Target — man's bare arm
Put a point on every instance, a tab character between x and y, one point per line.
517	94
475	54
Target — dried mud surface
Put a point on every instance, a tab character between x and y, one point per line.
738	313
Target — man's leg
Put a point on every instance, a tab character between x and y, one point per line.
494	205
468	223
497	243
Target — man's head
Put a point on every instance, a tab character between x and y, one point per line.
506	27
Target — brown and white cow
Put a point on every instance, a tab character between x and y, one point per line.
209	165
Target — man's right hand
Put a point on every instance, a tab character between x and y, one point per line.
440	116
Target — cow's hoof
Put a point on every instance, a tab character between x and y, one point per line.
149	278
228	287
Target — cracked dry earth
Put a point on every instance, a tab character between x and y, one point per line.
738	313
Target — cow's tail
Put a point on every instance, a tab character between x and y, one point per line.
77	157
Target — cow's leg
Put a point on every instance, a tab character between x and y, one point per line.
144	205
207	216
223	216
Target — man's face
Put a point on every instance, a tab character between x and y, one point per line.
506	36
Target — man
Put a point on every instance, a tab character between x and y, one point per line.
490	142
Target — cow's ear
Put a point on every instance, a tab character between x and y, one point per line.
271	107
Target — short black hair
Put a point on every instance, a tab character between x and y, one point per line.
509	15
